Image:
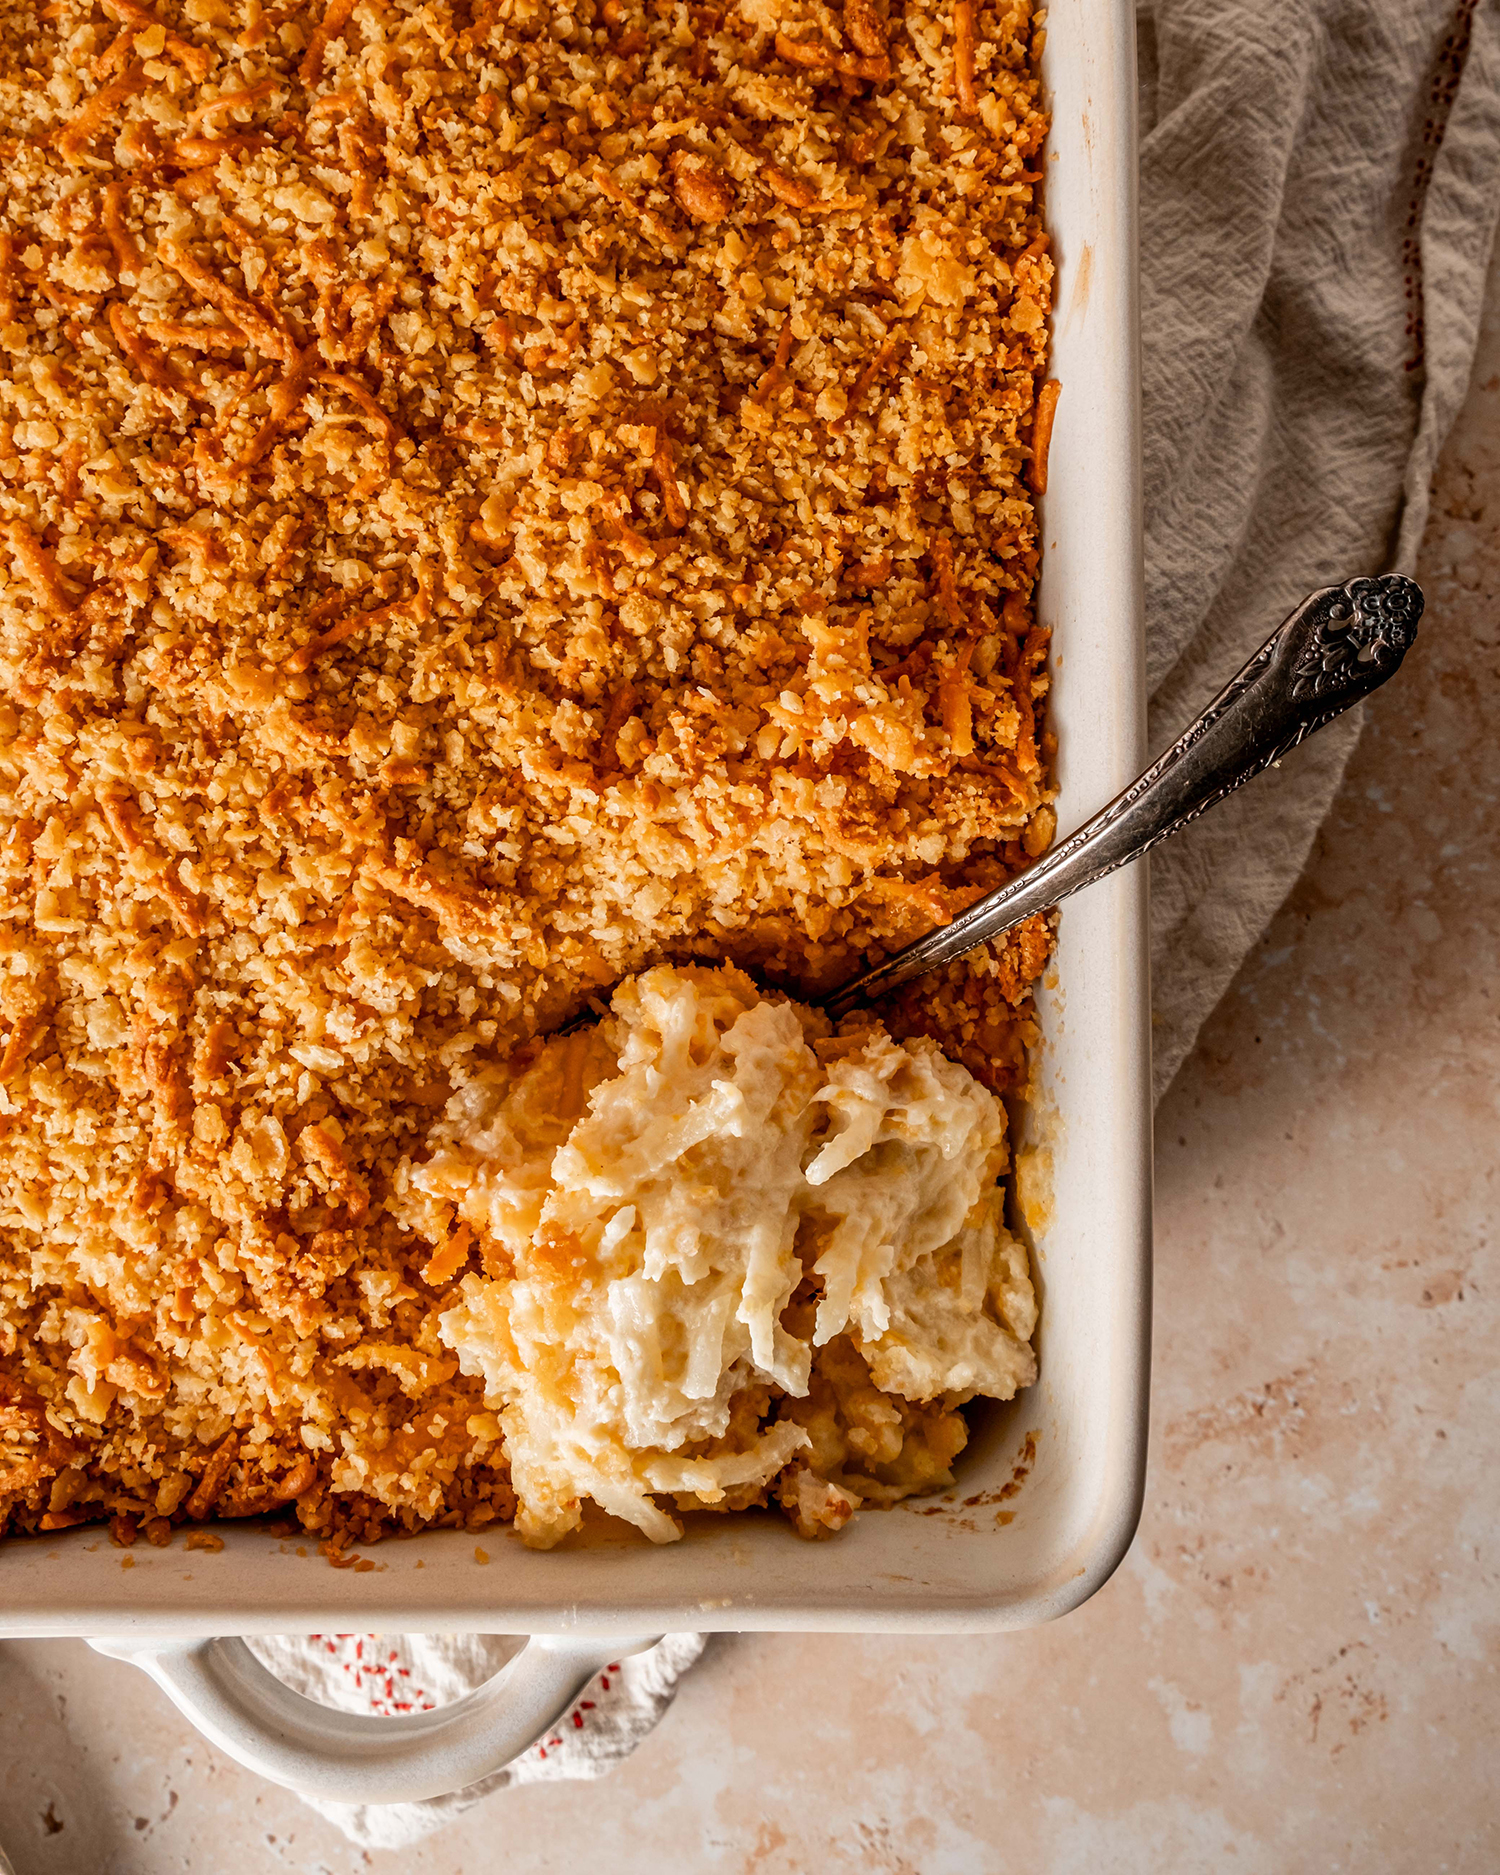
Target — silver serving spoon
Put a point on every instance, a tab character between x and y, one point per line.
1338	646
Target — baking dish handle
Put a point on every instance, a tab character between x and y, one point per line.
351	1757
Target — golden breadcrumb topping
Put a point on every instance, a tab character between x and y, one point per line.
491	497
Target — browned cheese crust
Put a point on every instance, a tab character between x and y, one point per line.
491	496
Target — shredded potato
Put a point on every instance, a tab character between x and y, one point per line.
685	1208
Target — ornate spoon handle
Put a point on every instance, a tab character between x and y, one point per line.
1337	647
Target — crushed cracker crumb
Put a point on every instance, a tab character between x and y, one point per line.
491	497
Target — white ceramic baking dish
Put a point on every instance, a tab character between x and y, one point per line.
977	1561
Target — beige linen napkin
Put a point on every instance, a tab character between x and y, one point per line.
1319	187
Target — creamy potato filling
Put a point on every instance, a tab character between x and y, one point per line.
711	1221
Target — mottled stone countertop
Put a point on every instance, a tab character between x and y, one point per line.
1295	1669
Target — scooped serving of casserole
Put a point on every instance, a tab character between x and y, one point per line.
496	500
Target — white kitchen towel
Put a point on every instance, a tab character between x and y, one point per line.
396	1673
1320	181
